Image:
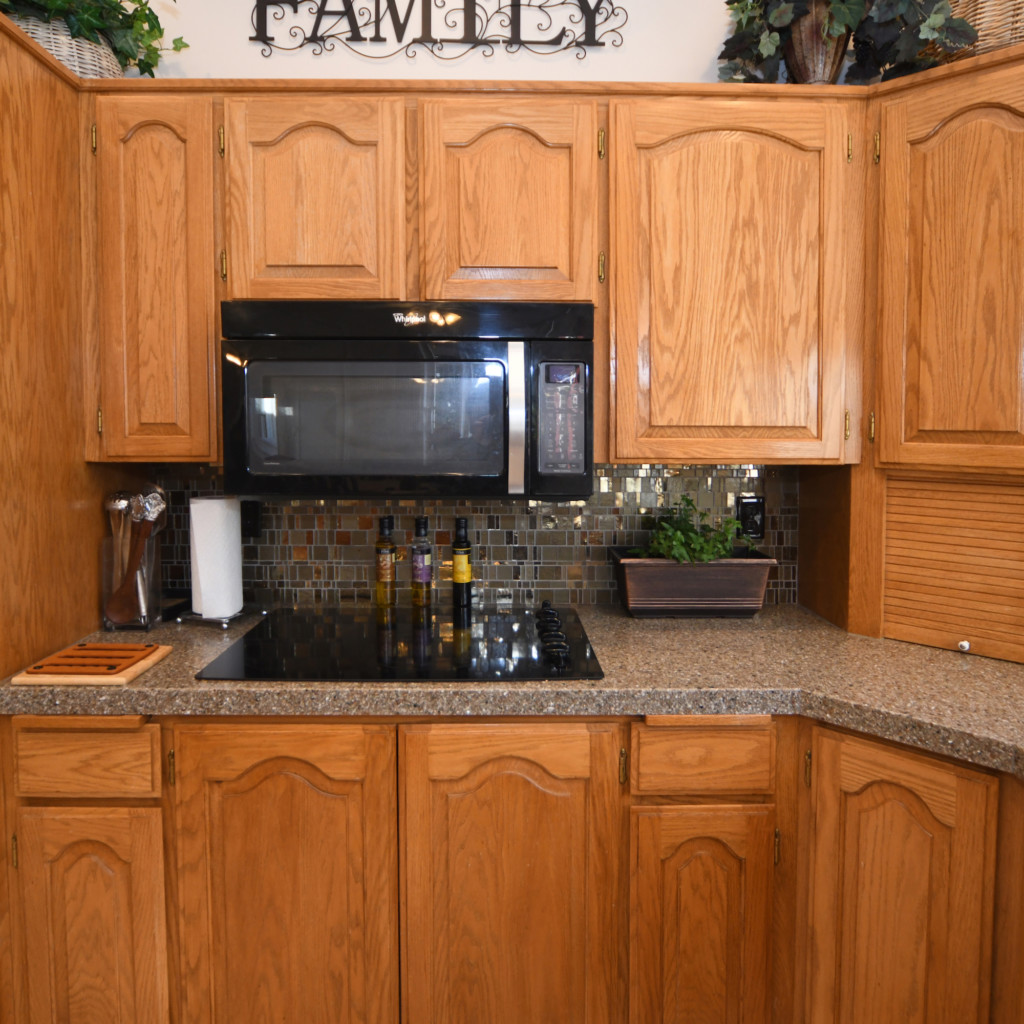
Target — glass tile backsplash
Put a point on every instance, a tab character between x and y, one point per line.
311	552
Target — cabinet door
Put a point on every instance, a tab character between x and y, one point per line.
156	277
700	914
733	283
508	192
952	262
288	880
316	197
92	890
903	868
511	874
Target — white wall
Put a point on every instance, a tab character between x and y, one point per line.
662	41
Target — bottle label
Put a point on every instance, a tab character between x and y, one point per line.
421	567
385	566
462	571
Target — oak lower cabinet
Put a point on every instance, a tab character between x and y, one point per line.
287	873
902	882
702	871
512	884
736	289
951	329
155	278
90	877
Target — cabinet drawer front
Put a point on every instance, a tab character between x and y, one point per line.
98	763
693	756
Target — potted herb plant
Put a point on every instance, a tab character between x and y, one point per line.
130	29
690	567
890	38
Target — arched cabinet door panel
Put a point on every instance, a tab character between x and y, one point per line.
903	866
287	873
155	277
316	197
511	873
92	891
735	280
509	198
952	261
701	913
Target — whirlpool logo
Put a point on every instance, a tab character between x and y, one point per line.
409	319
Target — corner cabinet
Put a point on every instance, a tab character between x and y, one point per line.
737	279
902	883
952	262
316	197
509	198
287	873
512	873
155	278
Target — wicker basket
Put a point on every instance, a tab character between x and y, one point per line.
999	23
85	58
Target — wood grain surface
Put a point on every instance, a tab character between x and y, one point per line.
51	515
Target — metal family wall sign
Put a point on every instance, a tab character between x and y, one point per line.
446	29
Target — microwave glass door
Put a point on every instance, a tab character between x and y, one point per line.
376	418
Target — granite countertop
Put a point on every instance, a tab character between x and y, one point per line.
784	661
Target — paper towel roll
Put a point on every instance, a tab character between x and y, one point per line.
215	534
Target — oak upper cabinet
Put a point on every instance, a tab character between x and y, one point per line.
509	198
903	867
512	854
702	872
90	877
287	873
952	263
735	266
316	197
155	277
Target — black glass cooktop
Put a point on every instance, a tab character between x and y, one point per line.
404	643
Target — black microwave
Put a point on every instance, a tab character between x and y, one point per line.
352	399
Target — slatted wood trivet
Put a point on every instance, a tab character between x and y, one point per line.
94	663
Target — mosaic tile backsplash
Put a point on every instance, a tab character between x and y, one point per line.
311	552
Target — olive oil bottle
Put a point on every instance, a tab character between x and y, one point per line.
422	565
386	591
462	567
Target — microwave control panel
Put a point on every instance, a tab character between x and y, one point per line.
562	418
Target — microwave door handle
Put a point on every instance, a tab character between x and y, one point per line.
516	417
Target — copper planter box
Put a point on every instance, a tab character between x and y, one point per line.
729	587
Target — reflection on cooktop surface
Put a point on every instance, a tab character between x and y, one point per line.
405	643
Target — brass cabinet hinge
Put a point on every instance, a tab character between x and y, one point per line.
778	845
846	426
601	144
623	766
871	428
849	148
14	850
99	421
602	264
878	147
94	138
170	767
807	769
223	264
220	140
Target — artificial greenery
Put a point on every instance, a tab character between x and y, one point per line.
132	28
890	37
685	535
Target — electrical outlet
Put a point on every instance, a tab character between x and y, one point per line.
750	513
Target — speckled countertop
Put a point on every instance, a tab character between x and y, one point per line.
783	661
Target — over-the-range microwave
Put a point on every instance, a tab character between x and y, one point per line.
326	398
